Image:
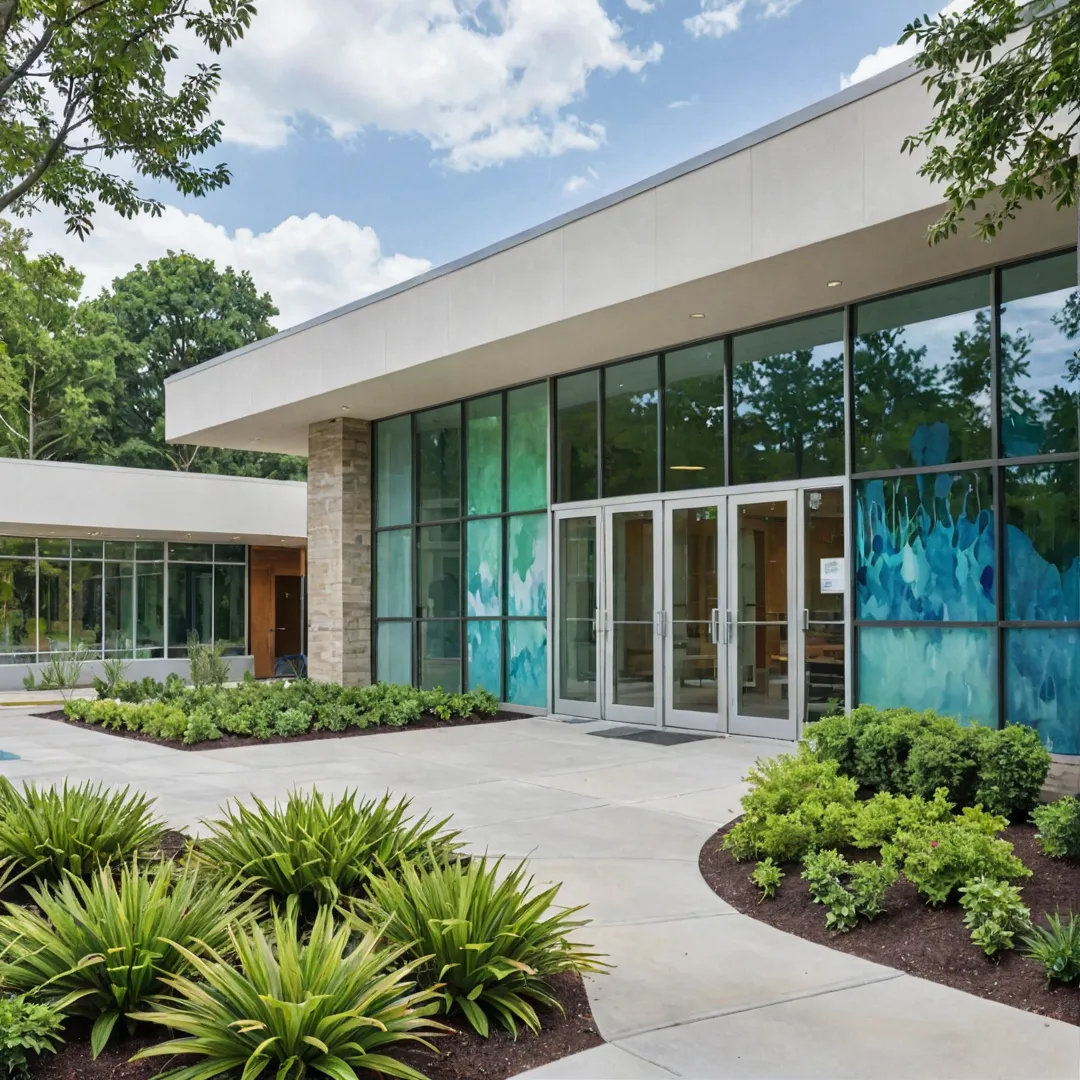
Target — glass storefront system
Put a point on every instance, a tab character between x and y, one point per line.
935	431
131	599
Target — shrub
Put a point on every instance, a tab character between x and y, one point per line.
100	948
878	819
767	877
1059	828
868	883
847	891
320	849
294	1006
27	1029
1057	947
485	940
200	727
1013	766
938	859
795	803
942	759
77	828
994	913
207	666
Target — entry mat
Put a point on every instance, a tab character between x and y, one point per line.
648	735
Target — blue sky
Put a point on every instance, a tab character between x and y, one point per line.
369	139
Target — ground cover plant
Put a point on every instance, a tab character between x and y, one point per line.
27	1029
255	710
898	828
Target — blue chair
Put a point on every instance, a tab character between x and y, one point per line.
291	667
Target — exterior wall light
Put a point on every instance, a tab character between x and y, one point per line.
687	468
697	315
833	284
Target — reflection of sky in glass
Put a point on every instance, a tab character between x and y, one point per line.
1050	348
819	354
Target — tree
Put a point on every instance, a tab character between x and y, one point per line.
173	313
88	81
56	368
1006	78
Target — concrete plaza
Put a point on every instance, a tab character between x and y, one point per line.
697	990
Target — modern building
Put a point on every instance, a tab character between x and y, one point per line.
127	562
709	453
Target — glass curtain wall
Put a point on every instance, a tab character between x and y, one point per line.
461	569
109	598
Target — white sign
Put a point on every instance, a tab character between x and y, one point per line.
832	576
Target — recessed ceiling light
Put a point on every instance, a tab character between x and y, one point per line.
833	284
236	537
344	408
95	534
697	314
687	468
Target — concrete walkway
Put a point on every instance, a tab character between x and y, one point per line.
698	990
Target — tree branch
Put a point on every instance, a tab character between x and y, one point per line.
39	47
38	171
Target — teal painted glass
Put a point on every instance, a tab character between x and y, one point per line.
393	580
438	551
484	431
393	650
485	655
526	663
1042	685
526	446
440	655
950	669
484	566
394	477
527	560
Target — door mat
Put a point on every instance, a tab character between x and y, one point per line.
648	735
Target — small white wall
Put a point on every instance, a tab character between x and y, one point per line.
12	675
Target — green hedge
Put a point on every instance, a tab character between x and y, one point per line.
915	753
273	709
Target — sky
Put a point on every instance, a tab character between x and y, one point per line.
372	139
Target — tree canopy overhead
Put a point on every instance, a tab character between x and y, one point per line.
1005	75
84	83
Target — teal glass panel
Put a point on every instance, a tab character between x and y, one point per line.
527	559
1042	685
527	447
577	424
440	655
119	608
149	609
484	431
394	479
393	574
526	663
438	452
484	565
86	597
439	555
631	400
694	417
230	608
950	669
393	653
485	655
925	548
787	385
191	603
54	611
1042	542
1040	320
921	370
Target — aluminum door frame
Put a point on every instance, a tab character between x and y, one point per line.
764	726
717	722
592	710
634	714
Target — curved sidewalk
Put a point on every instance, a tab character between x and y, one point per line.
697	990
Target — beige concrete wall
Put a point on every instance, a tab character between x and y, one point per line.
1064	778
339	551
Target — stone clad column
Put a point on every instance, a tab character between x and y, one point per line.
339	551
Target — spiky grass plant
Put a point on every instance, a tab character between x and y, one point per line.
293	1007
77	828
320	849
484	938
100	948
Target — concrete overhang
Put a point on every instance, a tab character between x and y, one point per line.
748	234
47	498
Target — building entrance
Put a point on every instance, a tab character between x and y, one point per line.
713	613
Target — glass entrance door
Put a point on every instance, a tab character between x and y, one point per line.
577	624
634	622
764	661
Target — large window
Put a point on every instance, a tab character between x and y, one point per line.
110	598
461	573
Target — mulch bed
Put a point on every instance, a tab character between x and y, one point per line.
932	943
462	1056
228	742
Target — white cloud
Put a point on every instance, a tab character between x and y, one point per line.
685	103
308	265
580	183
716	19
888	56
642	7
482	81
777	9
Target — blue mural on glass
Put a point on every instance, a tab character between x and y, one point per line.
1042	685
527	556
485	655
950	669
394	650
1037	590
526	667
925	548
484	566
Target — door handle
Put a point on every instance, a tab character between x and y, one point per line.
658	623
729	626
714	626
806	618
